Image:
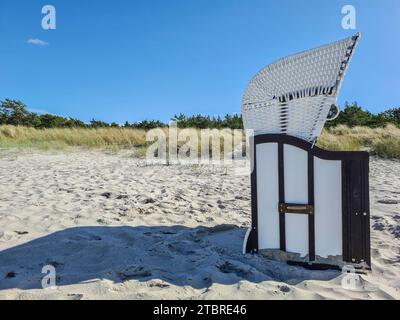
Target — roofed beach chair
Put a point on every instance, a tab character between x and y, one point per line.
307	202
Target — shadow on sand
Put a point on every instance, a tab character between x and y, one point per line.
178	255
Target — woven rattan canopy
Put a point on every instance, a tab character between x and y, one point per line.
295	94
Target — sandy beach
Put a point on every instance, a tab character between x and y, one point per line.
116	228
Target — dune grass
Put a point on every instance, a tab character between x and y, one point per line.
384	142
60	138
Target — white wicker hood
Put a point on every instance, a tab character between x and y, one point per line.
294	95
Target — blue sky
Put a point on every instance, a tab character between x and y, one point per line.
150	59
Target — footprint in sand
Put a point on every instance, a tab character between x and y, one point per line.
89	237
11	274
395	230
75	296
388	201
230	267
378	226
133	272
284	289
106	195
20	233
157	283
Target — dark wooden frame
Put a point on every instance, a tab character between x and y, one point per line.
355	214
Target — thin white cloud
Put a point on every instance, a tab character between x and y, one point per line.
37	42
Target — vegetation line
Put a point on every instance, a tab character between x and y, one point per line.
355	129
15	112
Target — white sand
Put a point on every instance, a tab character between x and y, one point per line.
117	229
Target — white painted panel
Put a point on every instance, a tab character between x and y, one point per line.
296	192
296	175
328	207
297	233
268	196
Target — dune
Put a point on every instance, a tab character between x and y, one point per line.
114	227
